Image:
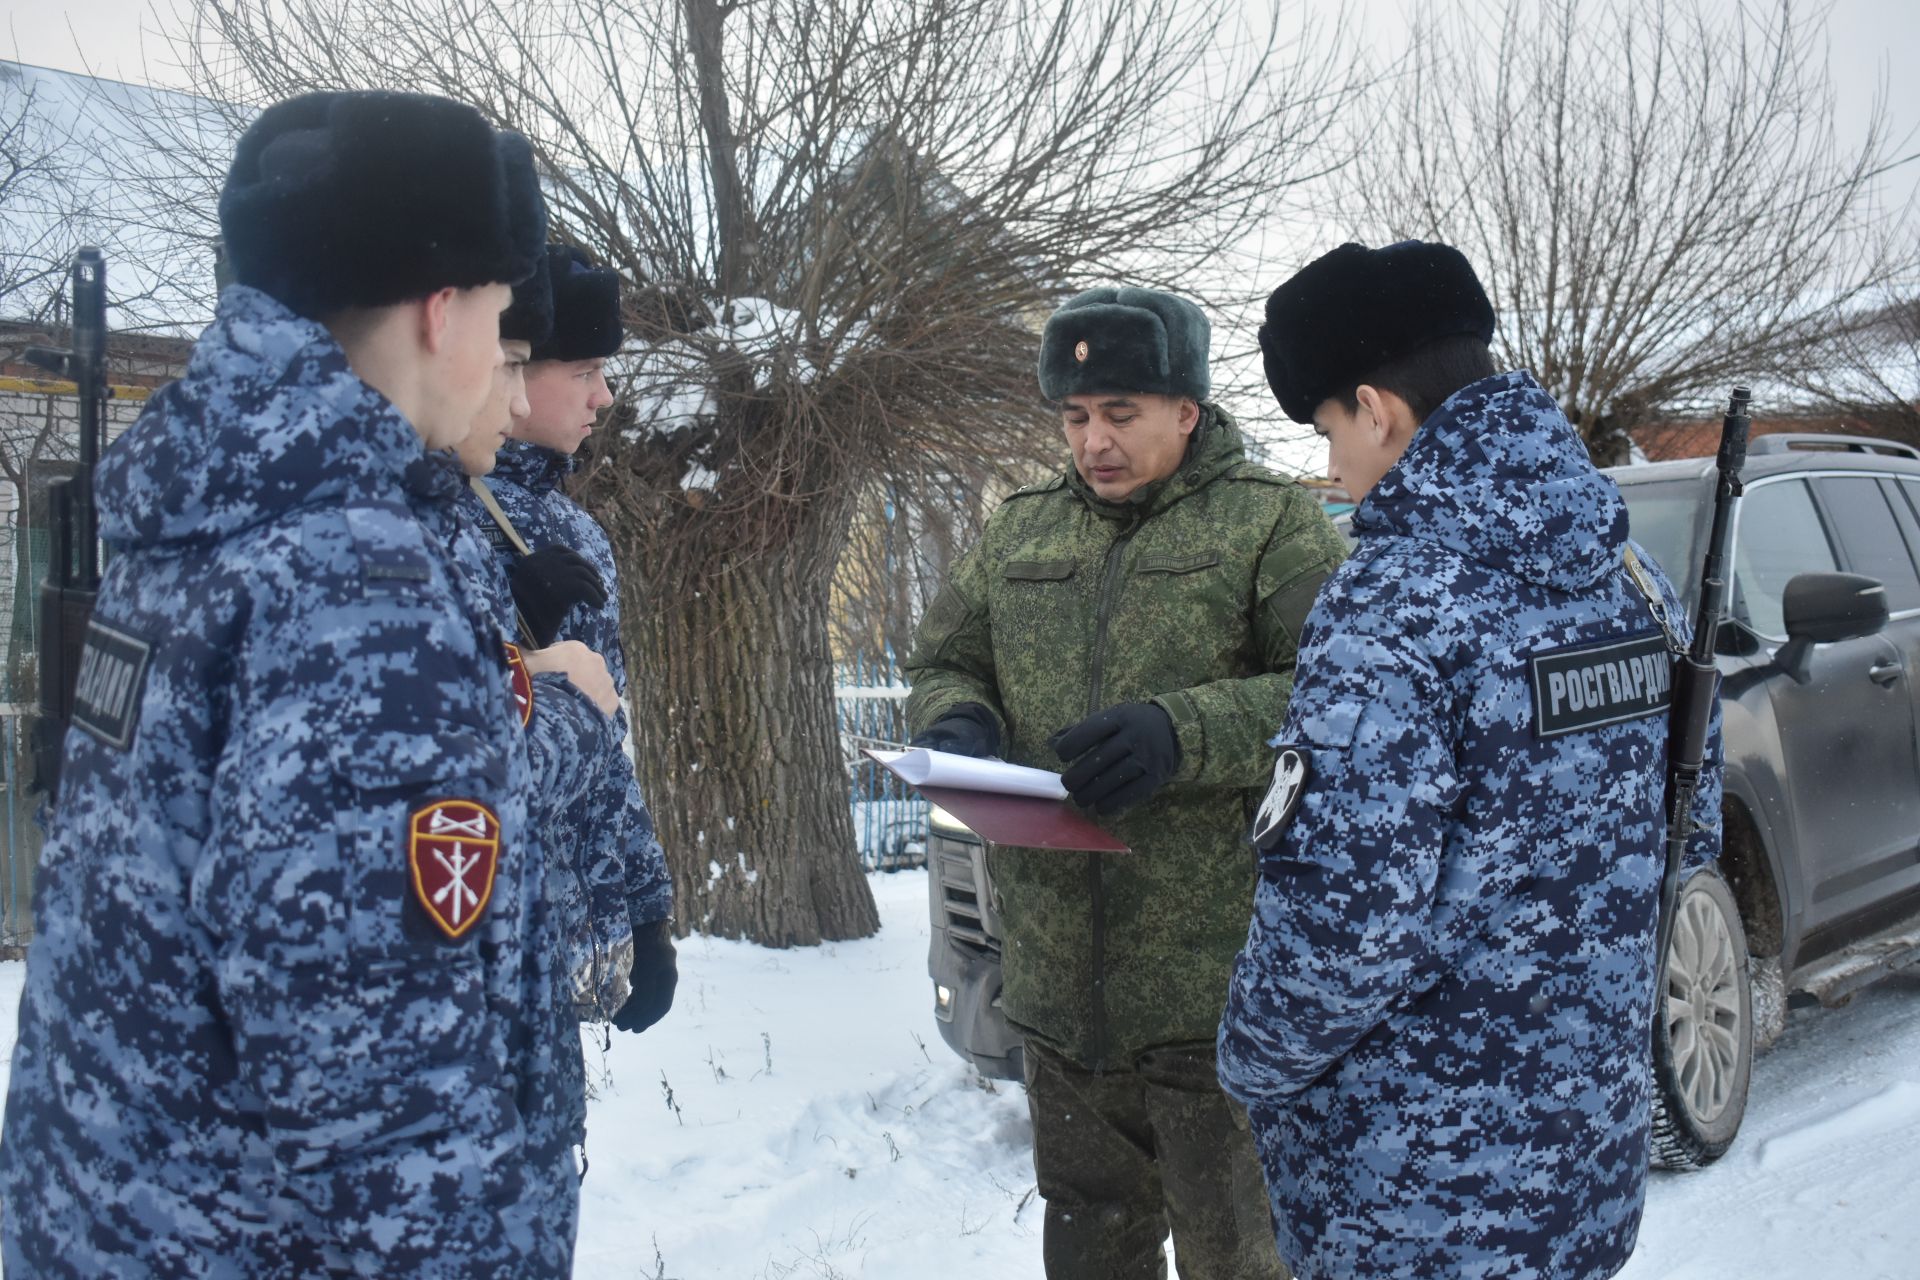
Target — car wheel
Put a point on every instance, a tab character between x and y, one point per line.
1769	1001
1703	1037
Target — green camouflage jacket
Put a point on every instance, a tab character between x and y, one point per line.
1190	594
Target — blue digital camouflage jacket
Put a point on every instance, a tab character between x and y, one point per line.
1440	1022
585	888
290	1008
526	484
587	884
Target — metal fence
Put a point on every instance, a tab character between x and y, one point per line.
18	830
889	820
25	553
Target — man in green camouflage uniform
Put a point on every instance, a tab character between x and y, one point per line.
1135	620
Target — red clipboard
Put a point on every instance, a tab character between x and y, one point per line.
1024	822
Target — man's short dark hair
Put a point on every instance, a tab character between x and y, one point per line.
1425	377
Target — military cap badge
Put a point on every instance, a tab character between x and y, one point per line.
1080	351
453	853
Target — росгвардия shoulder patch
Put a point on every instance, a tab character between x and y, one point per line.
1593	685
113	674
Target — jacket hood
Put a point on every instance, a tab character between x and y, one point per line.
268	419
1499	475
1216	448
531	467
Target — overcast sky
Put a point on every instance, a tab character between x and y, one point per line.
1873	47
1868	39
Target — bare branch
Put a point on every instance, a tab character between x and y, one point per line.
1654	196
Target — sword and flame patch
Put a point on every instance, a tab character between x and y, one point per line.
520	682
453	852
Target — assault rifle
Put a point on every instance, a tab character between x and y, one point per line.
73	566
1696	681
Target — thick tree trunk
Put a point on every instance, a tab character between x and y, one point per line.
739	746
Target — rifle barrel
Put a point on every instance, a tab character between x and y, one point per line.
1696	685
1716	579
90	377
73	571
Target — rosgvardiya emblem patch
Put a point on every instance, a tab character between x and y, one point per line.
1291	772
520	682
453	854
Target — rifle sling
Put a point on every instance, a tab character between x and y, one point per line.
518	543
1637	572
492	505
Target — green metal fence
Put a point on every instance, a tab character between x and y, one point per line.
19	832
889	819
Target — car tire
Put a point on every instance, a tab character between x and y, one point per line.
1769	1002
1703	1036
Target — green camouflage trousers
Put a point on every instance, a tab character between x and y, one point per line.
1124	1155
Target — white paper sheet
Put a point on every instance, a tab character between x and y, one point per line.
925	768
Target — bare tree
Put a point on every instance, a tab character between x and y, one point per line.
1656	198
87	161
1869	370
56	195
907	531
36	203
60	189
37	207
842	221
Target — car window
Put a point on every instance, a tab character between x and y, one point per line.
1905	497
1870	537
1911	488
1779	537
1662	516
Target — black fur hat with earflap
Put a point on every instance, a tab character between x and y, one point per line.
365	199
530	318
586	308
1349	311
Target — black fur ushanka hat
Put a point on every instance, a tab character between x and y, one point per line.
586	308
1348	312
365	199
530	318
1119	340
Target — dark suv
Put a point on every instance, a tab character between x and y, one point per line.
1817	892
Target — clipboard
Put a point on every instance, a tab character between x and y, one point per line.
1030	821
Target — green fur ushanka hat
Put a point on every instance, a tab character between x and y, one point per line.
1125	340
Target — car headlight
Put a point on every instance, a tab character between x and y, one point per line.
944	821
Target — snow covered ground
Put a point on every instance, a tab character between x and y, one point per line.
798	1116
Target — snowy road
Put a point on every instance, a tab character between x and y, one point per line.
820	1130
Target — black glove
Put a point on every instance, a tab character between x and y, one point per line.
1118	757
548	583
656	972
966	730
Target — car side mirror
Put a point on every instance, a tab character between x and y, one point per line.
1822	608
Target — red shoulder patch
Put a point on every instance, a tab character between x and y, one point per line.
453	851
520	682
